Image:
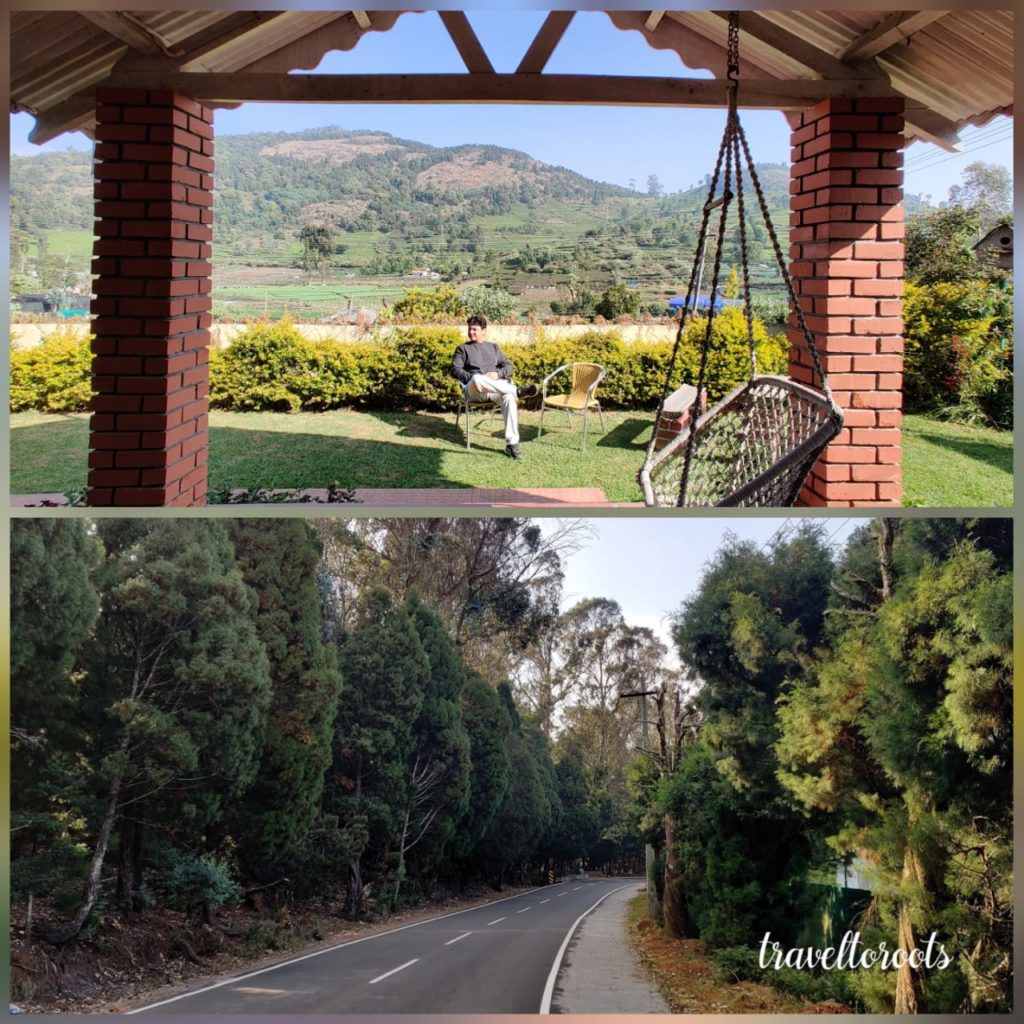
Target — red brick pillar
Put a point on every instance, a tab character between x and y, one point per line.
846	246
154	179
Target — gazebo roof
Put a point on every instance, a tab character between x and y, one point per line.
954	68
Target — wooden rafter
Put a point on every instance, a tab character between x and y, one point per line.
241	87
363	20
549	36
129	30
653	20
789	45
472	53
894	28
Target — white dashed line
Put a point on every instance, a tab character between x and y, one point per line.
498	921
577	889
524	910
458	938
395	970
548	900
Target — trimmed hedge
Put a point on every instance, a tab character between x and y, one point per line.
271	366
55	375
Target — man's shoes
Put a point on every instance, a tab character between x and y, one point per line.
528	391
513	451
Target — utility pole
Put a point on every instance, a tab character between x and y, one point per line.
652	889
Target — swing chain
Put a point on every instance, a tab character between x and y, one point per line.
732	53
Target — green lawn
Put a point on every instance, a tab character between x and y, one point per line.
950	465
945	465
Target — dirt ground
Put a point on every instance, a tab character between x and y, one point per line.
126	963
689	982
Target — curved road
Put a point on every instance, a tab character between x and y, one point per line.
496	958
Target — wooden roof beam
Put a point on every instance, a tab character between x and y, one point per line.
125	27
549	36
894	28
362	20
242	87
653	20
794	47
472	53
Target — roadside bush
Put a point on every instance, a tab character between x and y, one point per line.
740	963
197	885
55	375
952	361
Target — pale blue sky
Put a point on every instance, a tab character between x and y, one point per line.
650	565
613	144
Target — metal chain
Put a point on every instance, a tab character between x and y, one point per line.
691	300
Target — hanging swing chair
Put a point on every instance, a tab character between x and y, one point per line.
756	447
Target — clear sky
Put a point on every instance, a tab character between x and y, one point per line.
649	566
612	144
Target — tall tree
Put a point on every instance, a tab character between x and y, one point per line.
440	765
278	559
985	189
903	734
177	687
373	742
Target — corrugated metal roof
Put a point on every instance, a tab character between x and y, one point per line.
956	69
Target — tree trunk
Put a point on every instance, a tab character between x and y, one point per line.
908	996
886	534
677	922
652	889
354	895
61	933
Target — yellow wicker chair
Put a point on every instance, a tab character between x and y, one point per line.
580	398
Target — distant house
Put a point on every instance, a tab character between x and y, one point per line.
426	272
359	315
997	246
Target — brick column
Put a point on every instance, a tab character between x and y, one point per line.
154	179
846	247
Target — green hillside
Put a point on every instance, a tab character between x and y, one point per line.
392	205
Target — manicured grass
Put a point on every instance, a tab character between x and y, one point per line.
362	449
955	466
945	465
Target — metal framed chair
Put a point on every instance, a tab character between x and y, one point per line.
580	398
467	405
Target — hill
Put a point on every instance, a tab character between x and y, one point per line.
391	205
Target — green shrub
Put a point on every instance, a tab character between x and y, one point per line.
740	963
953	361
55	376
494	303
429	305
197	884
271	366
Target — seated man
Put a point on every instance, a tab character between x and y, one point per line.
484	371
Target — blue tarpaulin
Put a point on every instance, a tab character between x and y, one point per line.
703	302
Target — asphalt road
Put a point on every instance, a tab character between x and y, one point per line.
496	958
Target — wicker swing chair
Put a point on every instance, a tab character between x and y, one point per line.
756	447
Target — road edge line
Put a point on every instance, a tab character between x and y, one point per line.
320	952
549	988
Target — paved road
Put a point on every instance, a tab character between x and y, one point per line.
495	958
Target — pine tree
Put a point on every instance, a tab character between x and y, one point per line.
387	672
278	559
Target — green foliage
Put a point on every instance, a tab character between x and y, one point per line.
494	303
197	884
55	375
272	367
741	963
619	300
938	246
954	359
441	304
278	560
